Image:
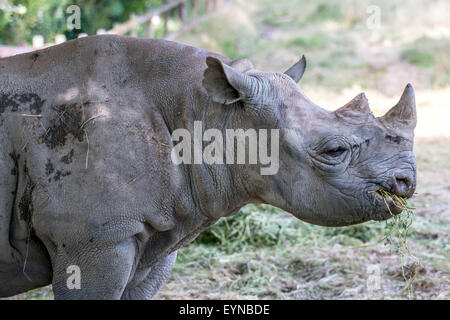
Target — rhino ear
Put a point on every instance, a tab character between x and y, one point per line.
297	70
403	114
356	111
224	84
242	65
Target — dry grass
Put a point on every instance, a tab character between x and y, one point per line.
397	229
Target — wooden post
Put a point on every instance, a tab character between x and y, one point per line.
194	9
149	28
181	10
133	31
209	5
220	4
166	20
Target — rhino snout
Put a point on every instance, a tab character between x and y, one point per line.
403	184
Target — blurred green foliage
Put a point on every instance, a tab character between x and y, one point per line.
432	56
317	40
48	17
418	57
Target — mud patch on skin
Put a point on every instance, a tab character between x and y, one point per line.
15	158
49	169
59	174
31	102
67	159
7	101
26	201
68	120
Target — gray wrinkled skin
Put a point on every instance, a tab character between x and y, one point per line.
85	134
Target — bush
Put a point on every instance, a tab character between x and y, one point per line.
418	57
48	17
317	40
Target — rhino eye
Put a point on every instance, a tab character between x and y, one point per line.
335	152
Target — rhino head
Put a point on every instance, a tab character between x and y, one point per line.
331	163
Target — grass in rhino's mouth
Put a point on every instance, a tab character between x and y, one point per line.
396	232
398	201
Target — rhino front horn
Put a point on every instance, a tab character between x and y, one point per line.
403	114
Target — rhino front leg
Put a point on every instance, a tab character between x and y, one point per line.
95	272
154	280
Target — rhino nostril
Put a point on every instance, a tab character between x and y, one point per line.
402	183
402	186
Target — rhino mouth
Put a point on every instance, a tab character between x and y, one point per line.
389	203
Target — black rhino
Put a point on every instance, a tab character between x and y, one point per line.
89	182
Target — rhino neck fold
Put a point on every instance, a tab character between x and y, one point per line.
221	189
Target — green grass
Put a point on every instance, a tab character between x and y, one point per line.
418	57
314	41
264	226
249	228
432	56
326	11
396	233
362	232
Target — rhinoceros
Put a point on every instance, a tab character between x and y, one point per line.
89	184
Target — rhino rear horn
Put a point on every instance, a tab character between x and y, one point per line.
297	70
403	114
355	111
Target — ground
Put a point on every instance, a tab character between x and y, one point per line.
264	252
